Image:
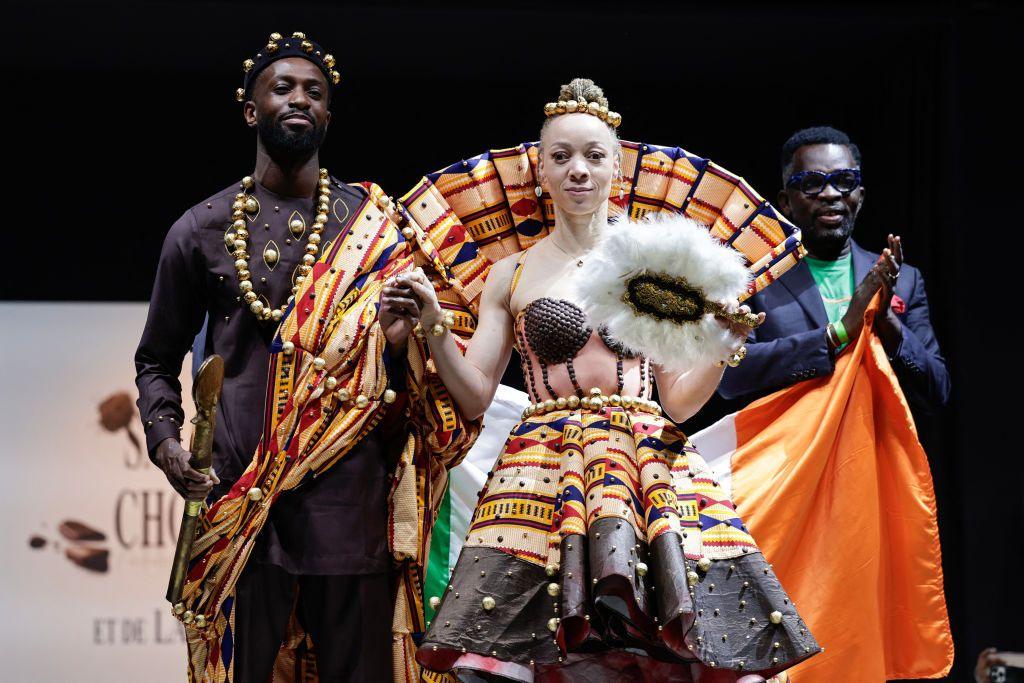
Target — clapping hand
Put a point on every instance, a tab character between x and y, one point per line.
887	325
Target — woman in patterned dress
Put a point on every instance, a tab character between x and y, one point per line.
601	547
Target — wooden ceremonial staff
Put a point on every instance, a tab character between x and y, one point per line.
206	394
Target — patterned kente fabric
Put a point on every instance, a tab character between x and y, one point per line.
328	344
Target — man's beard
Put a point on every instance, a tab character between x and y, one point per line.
820	240
279	141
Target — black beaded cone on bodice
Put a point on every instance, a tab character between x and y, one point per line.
556	329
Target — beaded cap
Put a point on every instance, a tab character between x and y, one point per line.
278	47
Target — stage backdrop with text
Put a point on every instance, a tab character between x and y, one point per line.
89	524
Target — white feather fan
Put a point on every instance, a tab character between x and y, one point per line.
673	251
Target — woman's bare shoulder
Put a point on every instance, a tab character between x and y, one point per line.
503	269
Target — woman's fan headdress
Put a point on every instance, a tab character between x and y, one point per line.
479	210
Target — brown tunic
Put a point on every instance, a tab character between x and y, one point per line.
333	525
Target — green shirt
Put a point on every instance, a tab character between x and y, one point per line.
835	283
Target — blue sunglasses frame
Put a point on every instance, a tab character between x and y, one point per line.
827	179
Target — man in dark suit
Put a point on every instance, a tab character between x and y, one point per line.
818	306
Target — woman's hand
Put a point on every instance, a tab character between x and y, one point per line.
738	331
430	312
399	312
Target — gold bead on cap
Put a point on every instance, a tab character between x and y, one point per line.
776	617
488	603
276	36
240	94
299	34
435	602
307	46
329	61
247	65
335	77
271	47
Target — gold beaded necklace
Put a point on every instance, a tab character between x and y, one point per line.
238	238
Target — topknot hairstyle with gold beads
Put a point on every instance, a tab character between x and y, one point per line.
582	95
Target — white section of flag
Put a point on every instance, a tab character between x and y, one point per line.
716	445
470	476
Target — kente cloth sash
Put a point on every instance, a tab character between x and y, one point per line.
332	331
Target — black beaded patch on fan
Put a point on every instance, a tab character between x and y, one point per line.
614	344
664	297
556	329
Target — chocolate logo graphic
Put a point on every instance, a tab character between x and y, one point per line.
85	545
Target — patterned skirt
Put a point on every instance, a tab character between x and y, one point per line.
603	549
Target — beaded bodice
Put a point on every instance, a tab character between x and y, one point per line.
562	356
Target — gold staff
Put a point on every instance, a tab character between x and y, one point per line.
206	394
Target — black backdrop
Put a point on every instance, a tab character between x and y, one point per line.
118	116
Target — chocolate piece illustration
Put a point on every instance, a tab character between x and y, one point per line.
79	531
91	559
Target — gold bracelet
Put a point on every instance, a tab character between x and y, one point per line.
735	358
447	322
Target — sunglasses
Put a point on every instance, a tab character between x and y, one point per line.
811	183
